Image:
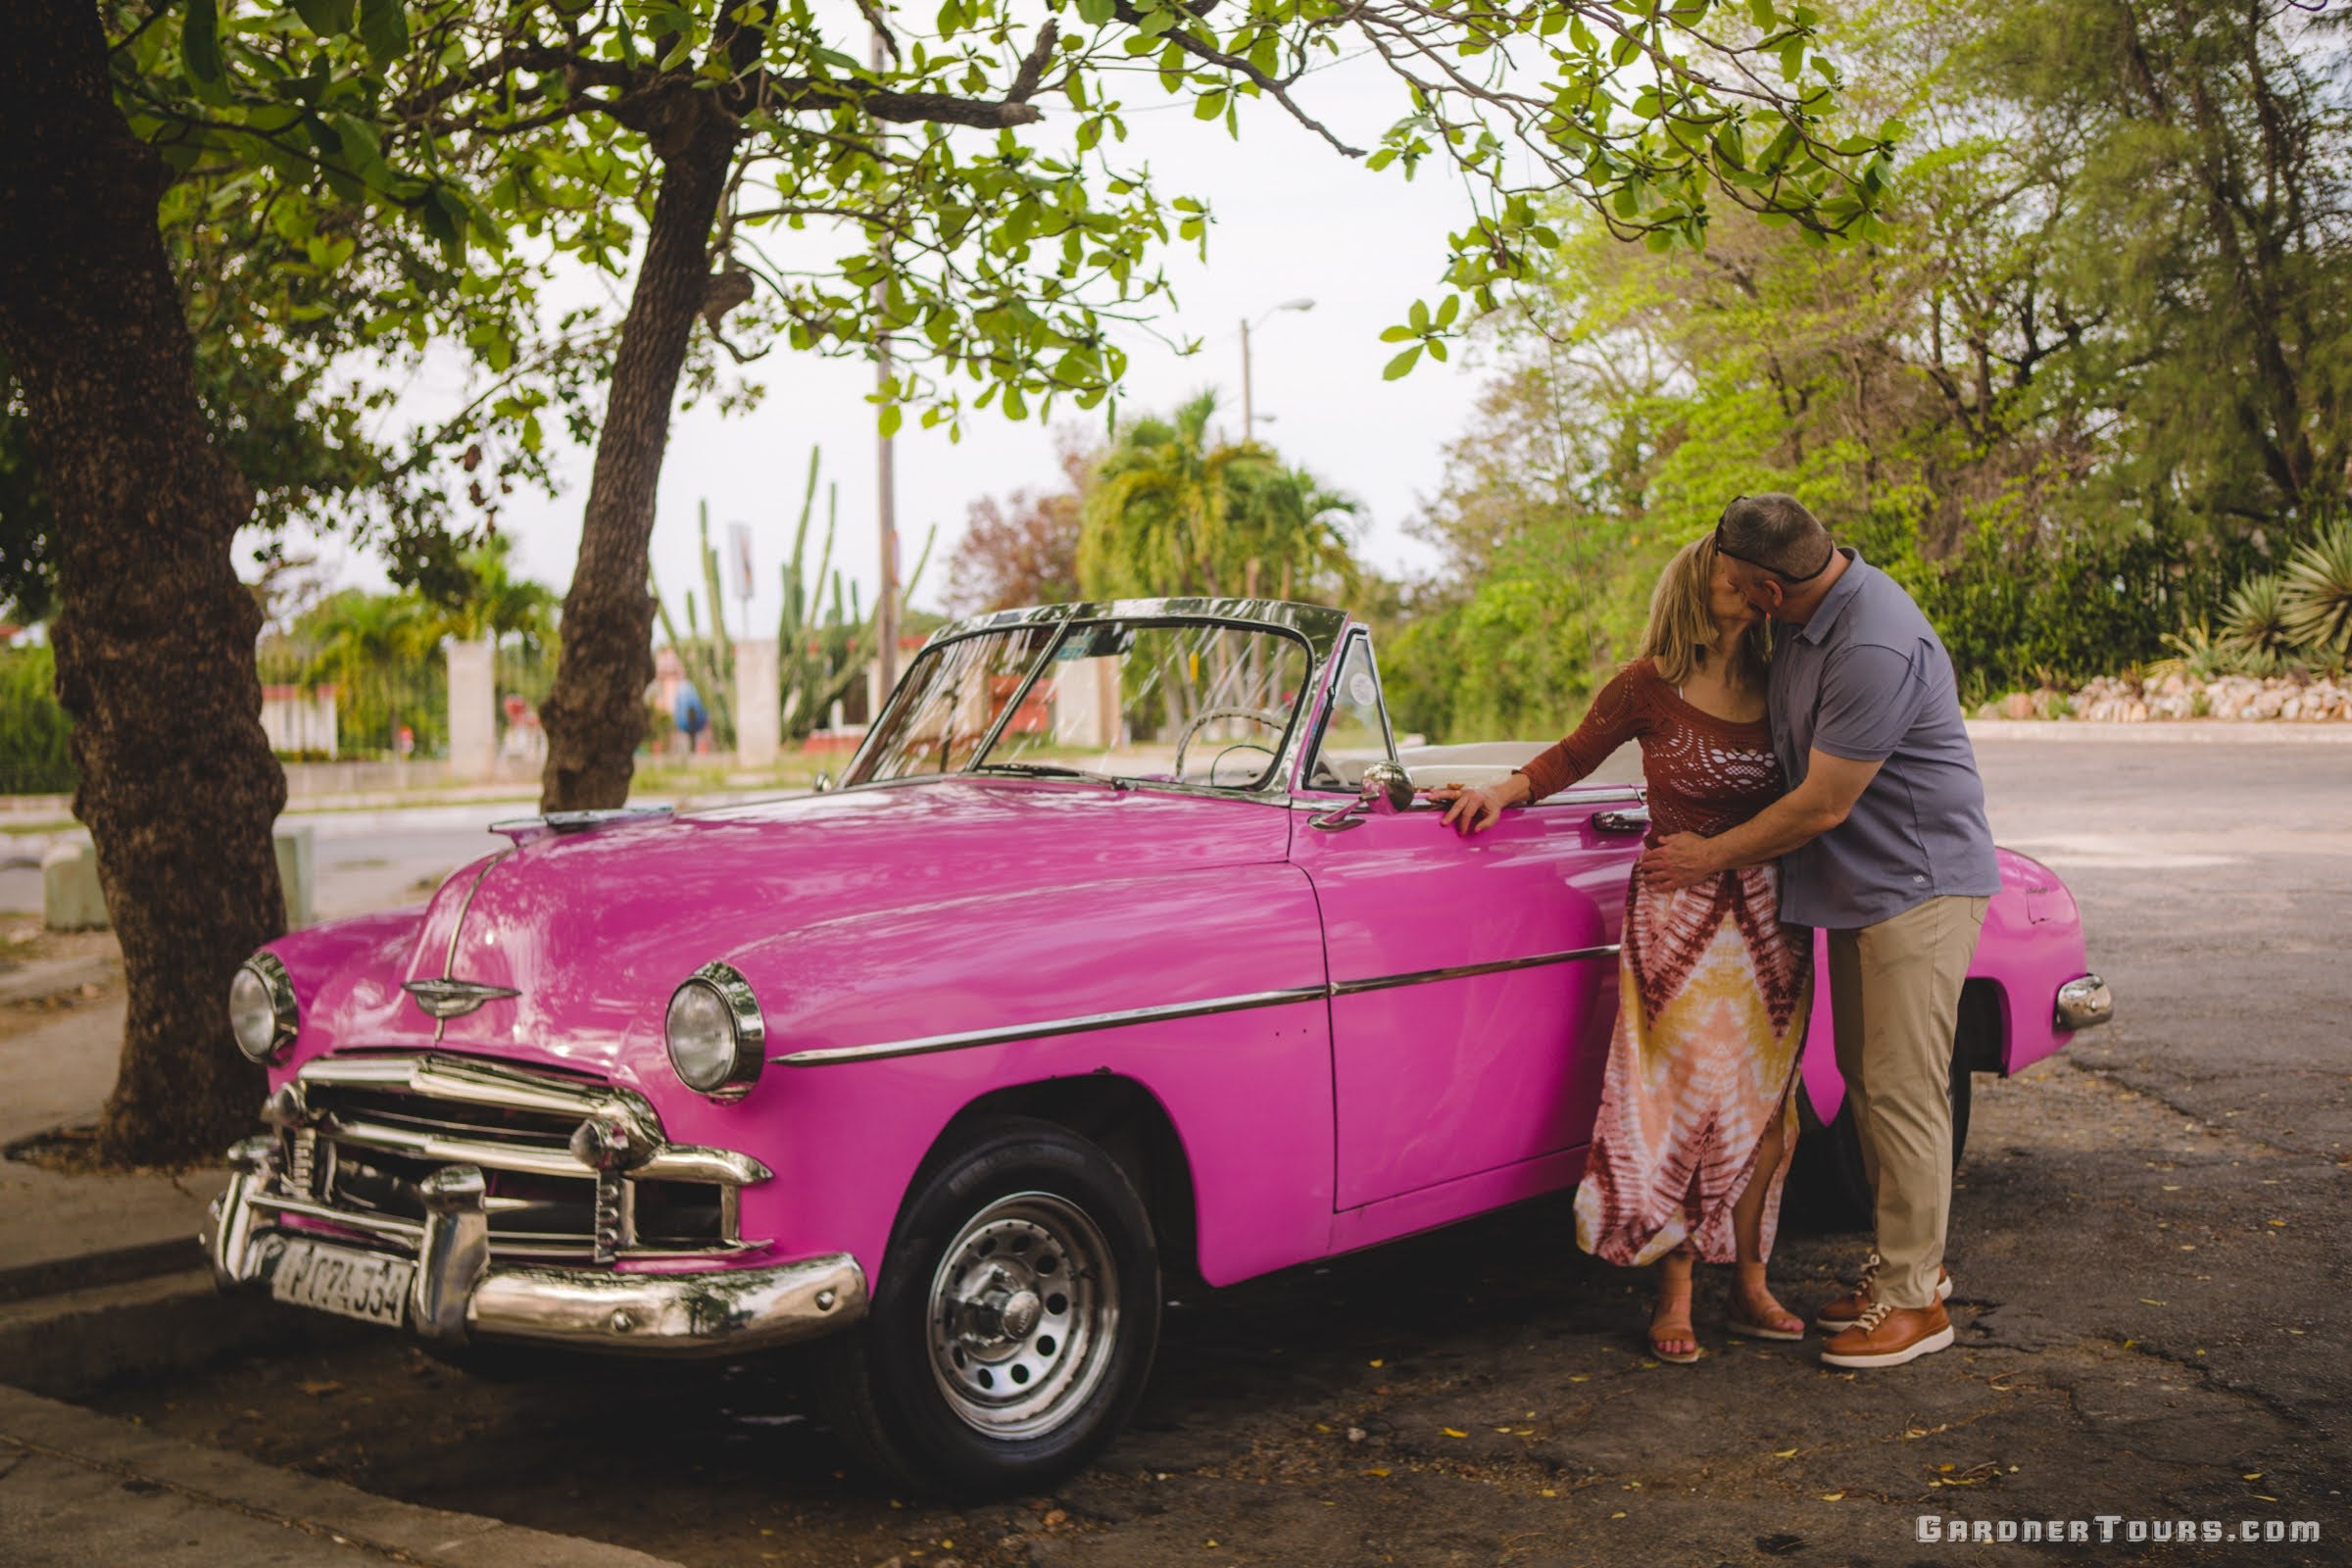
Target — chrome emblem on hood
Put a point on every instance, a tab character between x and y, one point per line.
450	998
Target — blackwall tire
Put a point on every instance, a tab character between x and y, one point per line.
1013	1323
1829	1175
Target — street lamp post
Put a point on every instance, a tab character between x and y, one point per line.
1249	409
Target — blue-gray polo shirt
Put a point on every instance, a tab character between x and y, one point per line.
1868	679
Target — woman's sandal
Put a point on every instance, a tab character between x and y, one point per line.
1789	1326
1658	1316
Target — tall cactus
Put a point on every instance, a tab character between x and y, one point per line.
822	650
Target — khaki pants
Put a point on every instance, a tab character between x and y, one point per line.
1895	996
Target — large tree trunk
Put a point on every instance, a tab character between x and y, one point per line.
155	637
595	716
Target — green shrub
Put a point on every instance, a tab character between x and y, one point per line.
33	728
2316	606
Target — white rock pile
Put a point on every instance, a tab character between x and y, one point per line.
2112	699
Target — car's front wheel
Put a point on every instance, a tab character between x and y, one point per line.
1014	1320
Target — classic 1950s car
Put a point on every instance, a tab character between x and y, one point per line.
1124	945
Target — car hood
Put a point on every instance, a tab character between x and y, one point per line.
592	931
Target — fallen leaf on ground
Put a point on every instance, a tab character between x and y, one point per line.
1784	1454
315	1387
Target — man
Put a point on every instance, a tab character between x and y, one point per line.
1882	840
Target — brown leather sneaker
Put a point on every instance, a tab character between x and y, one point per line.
1889	1336
1847	1310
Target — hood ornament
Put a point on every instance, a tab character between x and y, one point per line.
448	997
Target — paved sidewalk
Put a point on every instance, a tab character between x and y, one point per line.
58	1075
82	1490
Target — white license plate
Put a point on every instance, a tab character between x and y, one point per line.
367	1286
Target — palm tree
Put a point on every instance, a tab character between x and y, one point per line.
498	605
379	650
1172	511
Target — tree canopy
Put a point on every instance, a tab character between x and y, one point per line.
2086	377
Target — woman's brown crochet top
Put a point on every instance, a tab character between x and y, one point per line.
1704	773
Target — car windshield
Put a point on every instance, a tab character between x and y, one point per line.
1203	704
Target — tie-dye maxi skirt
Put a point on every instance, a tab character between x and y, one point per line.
1713	993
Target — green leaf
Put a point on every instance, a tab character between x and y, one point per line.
1398	335
384	29
1401	364
887	421
200	41
328	19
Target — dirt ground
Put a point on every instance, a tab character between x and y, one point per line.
1480	1396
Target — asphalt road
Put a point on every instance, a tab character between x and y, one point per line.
2151	1249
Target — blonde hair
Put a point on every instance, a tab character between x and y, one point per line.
1680	636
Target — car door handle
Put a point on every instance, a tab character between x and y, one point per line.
1632	819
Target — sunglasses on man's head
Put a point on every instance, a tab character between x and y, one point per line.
1723	549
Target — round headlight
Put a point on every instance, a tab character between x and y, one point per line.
260	1007
714	1033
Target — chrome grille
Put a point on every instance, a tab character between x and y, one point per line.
373	1128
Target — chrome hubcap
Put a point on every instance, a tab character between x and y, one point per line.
1023	1313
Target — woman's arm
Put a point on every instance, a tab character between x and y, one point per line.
1615	717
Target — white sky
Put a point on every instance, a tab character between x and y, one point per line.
1292	219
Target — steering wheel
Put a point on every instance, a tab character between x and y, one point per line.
1237	746
1256	715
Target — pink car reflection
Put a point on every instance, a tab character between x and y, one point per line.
1123	946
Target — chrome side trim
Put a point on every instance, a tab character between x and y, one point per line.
1081	1024
1460	971
1239	1001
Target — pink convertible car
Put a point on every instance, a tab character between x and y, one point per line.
1123	946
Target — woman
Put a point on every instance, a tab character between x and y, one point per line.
1696	1123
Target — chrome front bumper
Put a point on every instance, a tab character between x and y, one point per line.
2085	1002
458	1296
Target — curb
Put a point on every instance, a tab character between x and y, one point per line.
237	1504
2195	731
79	1338
118	1265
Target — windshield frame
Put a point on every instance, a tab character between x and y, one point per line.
1318	629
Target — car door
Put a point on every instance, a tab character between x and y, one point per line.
1473	980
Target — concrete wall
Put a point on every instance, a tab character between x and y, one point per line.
758	702
473	710
299	719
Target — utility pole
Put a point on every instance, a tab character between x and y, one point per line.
886	608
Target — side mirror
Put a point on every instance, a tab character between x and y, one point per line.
824	784
1387	789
